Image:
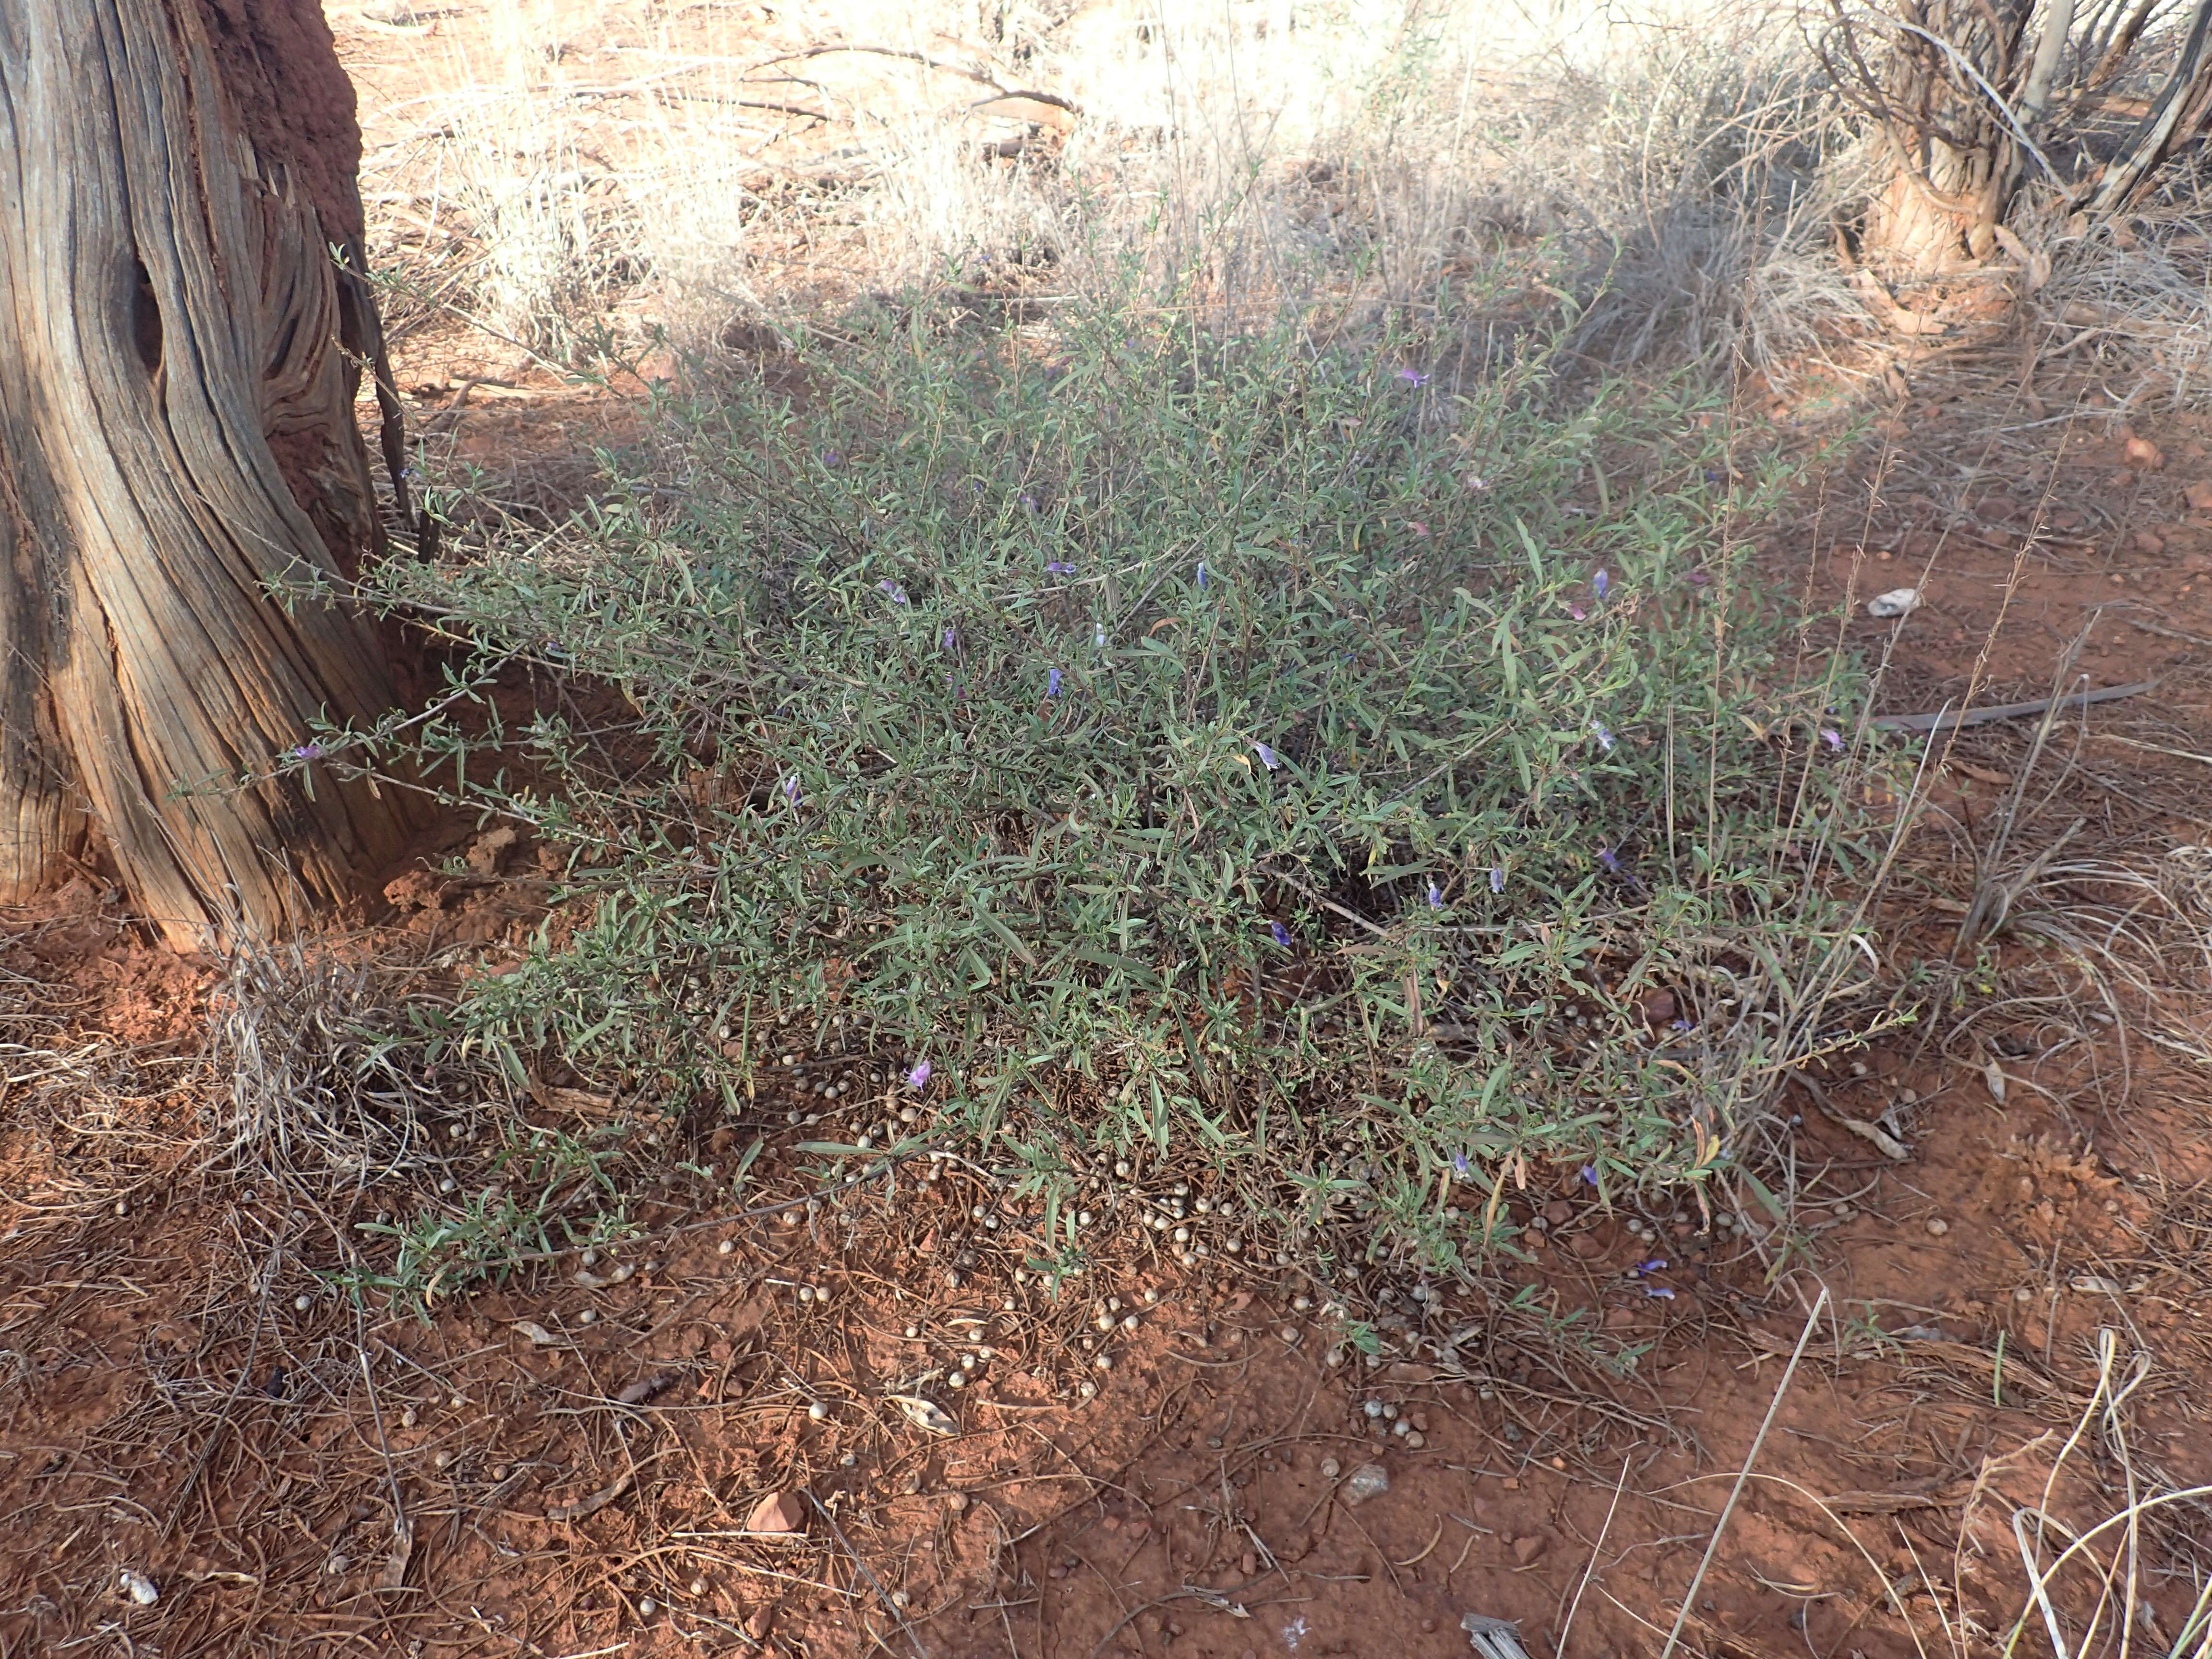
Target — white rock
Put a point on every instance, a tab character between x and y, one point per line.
1898	602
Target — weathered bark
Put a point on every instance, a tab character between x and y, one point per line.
1955	152
1966	112
1940	207
179	351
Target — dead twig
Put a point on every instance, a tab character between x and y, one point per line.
1751	1457
1945	719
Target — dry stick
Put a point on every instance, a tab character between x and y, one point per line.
1943	720
874	1584
1597	1549
238	1389
1720	1525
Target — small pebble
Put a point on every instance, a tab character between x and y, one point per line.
1415	1440
727	1246
1330	1469
409	1418
301	1303
955	1501
698	1587
589	1316
1937	1226
647	1606
819	1410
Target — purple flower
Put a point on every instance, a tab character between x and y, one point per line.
831	458
1060	567
1052	683
1201	575
1605	856
1412	377
1659	1291
1497	879
308	752
1282	934
1029	501
1600	584
1604	737
948	640
1461	1168
1267	757
1436	896
919	1078
1575	611
1834	739
790	789
897	593
1655	1265
1589	1174
1682	1025
1699	579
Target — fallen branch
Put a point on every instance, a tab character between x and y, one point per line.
1944	720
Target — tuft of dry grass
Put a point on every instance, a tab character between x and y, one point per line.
326	1075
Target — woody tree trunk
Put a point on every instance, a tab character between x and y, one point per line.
182	327
1973	102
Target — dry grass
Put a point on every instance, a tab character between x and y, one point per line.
1663	170
328	1075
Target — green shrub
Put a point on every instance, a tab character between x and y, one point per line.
1255	747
